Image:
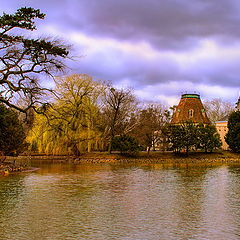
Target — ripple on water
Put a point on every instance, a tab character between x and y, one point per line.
122	202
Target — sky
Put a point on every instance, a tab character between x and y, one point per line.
159	48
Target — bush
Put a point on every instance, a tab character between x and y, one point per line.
208	138
125	144
182	137
12	136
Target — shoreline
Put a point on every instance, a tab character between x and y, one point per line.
143	157
22	164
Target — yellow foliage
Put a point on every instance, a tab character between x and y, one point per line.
69	126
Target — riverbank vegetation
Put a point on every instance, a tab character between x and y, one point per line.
219	157
189	136
12	134
86	115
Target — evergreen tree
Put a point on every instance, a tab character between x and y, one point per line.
233	136
125	144
176	138
189	136
183	137
23	59
12	136
208	138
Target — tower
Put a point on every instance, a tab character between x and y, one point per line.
190	108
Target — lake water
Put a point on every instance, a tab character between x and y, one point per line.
64	202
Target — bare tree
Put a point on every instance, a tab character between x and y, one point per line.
218	109
118	108
151	121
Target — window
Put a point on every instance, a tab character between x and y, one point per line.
190	113
178	111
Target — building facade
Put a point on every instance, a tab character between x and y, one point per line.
222	127
222	130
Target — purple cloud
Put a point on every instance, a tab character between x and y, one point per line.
159	46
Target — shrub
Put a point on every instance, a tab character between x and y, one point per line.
12	136
125	144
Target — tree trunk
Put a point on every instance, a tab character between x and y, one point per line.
148	150
89	137
2	157
187	150
75	150
110	147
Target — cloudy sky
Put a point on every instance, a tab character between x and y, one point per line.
160	48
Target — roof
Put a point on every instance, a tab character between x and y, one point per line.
190	95
190	108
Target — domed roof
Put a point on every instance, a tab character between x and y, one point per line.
190	108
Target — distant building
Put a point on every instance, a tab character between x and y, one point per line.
222	128
190	108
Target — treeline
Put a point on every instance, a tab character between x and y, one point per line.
189	136
85	115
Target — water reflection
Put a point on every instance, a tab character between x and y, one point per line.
63	201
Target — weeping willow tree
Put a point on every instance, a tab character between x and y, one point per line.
70	124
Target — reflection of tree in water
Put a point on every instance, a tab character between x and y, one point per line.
108	208
189	201
234	195
52	205
221	207
11	188
207	203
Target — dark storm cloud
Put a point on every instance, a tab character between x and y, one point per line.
172	24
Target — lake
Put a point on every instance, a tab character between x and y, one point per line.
103	201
